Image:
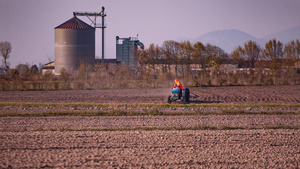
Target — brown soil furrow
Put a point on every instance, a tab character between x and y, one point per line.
203	141
241	94
151	149
129	122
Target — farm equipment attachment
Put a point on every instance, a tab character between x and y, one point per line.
177	94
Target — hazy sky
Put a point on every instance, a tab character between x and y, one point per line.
29	24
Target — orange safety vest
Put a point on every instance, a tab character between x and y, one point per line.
178	84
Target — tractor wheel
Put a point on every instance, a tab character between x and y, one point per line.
169	99
183	100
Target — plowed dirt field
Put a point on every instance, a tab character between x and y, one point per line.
242	94
185	141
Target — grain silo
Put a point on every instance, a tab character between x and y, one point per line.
74	44
127	51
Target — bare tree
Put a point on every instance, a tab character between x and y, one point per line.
199	55
236	55
274	52
292	57
292	50
250	52
186	53
215	54
152	57
157	56
5	49
141	60
171	51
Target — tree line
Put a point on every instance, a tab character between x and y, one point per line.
195	64
274	61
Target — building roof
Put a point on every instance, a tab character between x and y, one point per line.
50	63
74	23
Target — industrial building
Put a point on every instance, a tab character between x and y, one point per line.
127	50
75	44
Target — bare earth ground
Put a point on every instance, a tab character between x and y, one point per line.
242	94
151	149
251	141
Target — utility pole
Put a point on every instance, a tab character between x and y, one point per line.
102	26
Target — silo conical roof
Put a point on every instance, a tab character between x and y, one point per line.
74	23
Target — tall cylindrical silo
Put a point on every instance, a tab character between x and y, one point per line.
74	44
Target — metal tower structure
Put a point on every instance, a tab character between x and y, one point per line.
102	14
127	50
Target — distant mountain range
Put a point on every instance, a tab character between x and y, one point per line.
285	36
228	40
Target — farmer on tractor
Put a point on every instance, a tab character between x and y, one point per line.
178	86
179	93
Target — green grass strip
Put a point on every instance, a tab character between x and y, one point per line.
134	109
